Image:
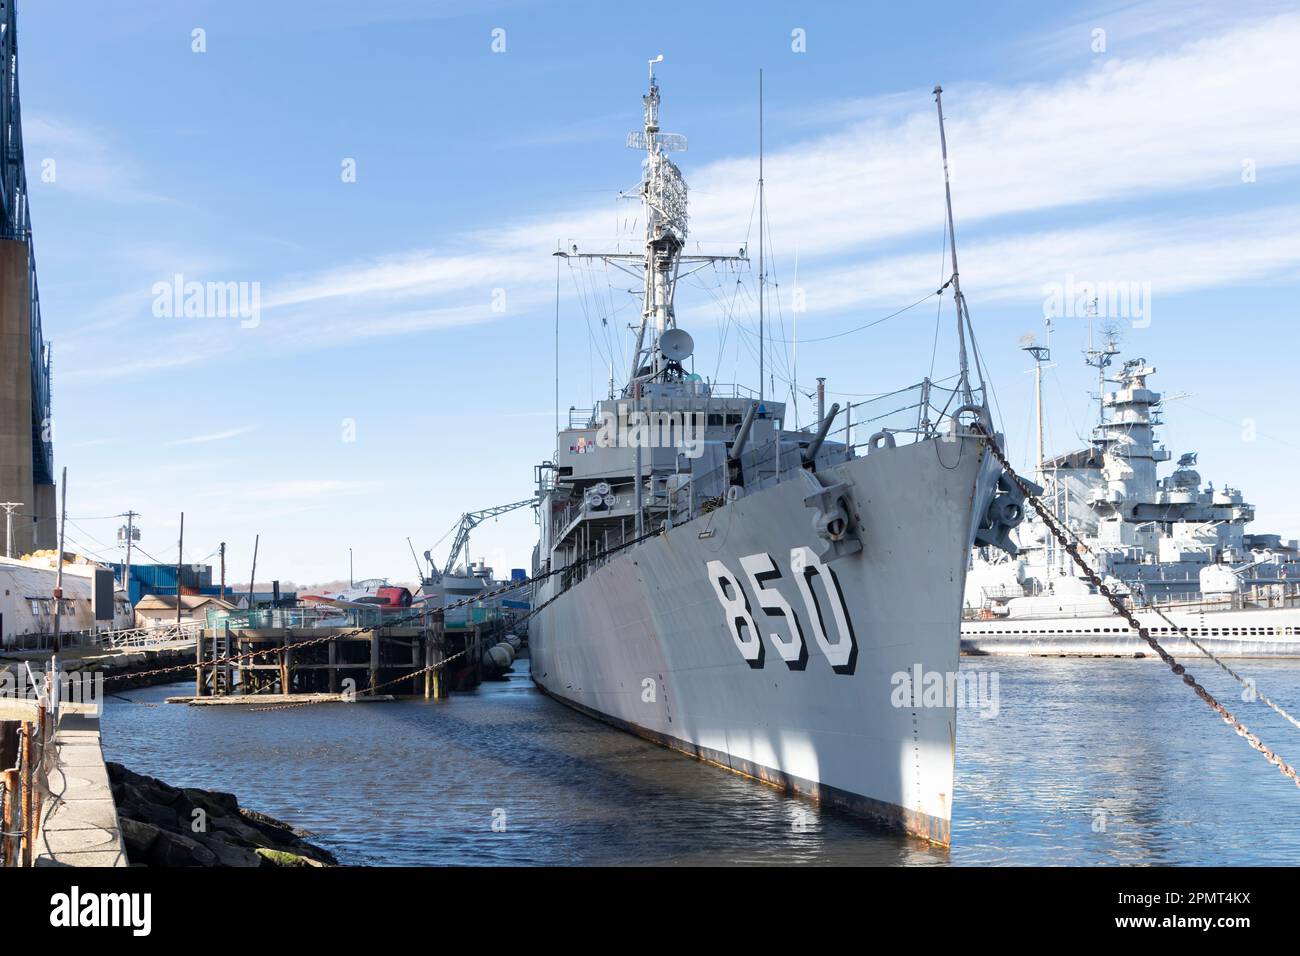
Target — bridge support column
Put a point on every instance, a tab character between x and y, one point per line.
16	472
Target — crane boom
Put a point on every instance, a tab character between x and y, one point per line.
471	520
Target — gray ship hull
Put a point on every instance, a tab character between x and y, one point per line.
647	642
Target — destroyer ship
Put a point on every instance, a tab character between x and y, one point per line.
1176	549
719	582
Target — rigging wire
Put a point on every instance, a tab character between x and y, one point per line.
874	322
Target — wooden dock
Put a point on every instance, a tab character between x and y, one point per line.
288	664
272	700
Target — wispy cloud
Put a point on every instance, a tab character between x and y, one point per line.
861	200
63	154
214	436
105	369
1174	255
1108	135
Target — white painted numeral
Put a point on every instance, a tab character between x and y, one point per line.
760	569
762	573
736	606
805	565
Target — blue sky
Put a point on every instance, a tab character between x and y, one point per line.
1125	165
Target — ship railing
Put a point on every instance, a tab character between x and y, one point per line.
731	391
306	616
582	417
1277	594
915	413
1191	599
587	417
624	494
544	475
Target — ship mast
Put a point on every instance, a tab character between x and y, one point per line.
1099	357
1041	354
663	198
762	262
963	317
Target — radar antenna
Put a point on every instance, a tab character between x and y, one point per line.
664	198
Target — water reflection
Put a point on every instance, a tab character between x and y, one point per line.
1087	762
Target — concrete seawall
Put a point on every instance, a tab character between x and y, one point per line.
80	825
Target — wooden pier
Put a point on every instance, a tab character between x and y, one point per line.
341	662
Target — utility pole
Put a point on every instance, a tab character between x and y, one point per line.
58	572
351	583
180	550
9	507
223	570
126	568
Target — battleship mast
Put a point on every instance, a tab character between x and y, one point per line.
1100	357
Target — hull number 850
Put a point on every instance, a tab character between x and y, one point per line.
821	614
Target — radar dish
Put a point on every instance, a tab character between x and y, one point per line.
676	345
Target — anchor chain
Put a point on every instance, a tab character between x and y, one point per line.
355	632
1185	632
1051	523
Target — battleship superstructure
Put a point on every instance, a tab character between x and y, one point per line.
1172	545
750	593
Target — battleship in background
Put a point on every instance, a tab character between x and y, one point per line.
1177	550
750	596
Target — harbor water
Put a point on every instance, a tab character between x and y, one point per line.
1094	761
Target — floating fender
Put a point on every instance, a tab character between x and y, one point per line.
499	656
514	641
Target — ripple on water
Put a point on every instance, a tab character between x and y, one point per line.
1076	744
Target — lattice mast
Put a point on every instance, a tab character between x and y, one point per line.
663	198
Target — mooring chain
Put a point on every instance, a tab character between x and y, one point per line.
413	674
1244	682
1091	576
356	632
370	692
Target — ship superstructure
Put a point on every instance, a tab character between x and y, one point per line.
1173	543
747	592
